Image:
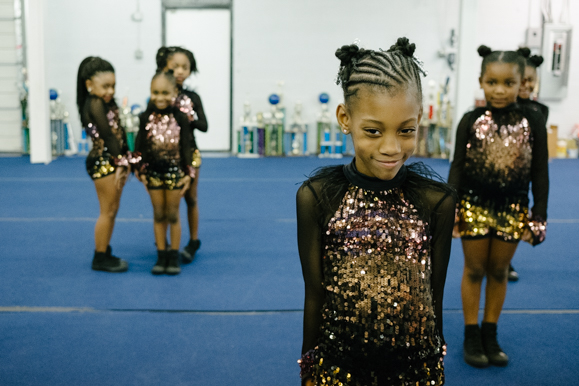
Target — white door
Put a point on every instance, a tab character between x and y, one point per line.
206	33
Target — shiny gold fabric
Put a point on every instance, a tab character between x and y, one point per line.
378	323
99	162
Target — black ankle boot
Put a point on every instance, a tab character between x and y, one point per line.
188	253
473	350
105	261
173	262
491	346
513	275
161	264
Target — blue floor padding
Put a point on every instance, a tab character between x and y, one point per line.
140	348
248	260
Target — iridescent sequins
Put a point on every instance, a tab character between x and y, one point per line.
378	323
185	104
99	162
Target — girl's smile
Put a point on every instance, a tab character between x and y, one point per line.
501	83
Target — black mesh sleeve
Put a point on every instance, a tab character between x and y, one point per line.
442	222
539	165
141	139
310	250
461	139
201	122
184	140
98	113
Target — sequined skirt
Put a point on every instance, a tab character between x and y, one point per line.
164	175
501	216
352	360
196	157
99	165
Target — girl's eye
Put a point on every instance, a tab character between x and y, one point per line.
409	130
372	131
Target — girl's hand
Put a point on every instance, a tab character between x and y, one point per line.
186	181
309	382
527	236
455	230
121	175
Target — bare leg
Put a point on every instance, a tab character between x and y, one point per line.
193	208
501	253
172	201
476	254
160	220
109	199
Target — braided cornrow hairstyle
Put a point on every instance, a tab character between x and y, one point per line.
165	53
167	75
394	69
88	68
490	56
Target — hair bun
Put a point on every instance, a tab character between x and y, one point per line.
347	53
484	51
524	52
536	60
404	46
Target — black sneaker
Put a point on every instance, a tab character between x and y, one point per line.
105	261
473	350
161	264
188	253
491	346
513	275
173	267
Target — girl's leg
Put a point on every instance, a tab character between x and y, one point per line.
192	208
109	199
172	199
501	253
159	218
476	256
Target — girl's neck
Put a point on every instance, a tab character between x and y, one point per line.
372	183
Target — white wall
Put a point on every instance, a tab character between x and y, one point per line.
76	29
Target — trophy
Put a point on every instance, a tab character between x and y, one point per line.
274	128
246	136
297	134
330	140
260	131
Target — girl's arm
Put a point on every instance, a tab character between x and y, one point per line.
201	122
539	166
184	140
98	112
310	250
442	223
459	152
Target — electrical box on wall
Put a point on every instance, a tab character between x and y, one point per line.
556	50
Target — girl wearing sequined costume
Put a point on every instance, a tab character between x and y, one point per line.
524	99
107	162
500	149
183	63
165	167
374	237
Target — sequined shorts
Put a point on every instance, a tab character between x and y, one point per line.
502	218
196	157
99	166
167	179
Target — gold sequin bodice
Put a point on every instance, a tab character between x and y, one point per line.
499	153
163	136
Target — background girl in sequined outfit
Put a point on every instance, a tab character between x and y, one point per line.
107	162
165	166
525	92
374	237
183	63
500	149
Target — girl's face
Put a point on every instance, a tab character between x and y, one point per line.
529	82
501	83
162	92
179	63
383	129
102	84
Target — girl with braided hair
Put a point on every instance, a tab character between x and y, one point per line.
183	63
500	150
374	236
107	162
524	98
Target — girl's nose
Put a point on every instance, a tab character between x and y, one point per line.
390	145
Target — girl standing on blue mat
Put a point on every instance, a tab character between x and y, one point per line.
374	236
164	167
107	162
183	63
500	149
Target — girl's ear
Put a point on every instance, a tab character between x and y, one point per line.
480	81
88	84
343	118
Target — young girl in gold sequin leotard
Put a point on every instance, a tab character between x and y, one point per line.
500	150
374	237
